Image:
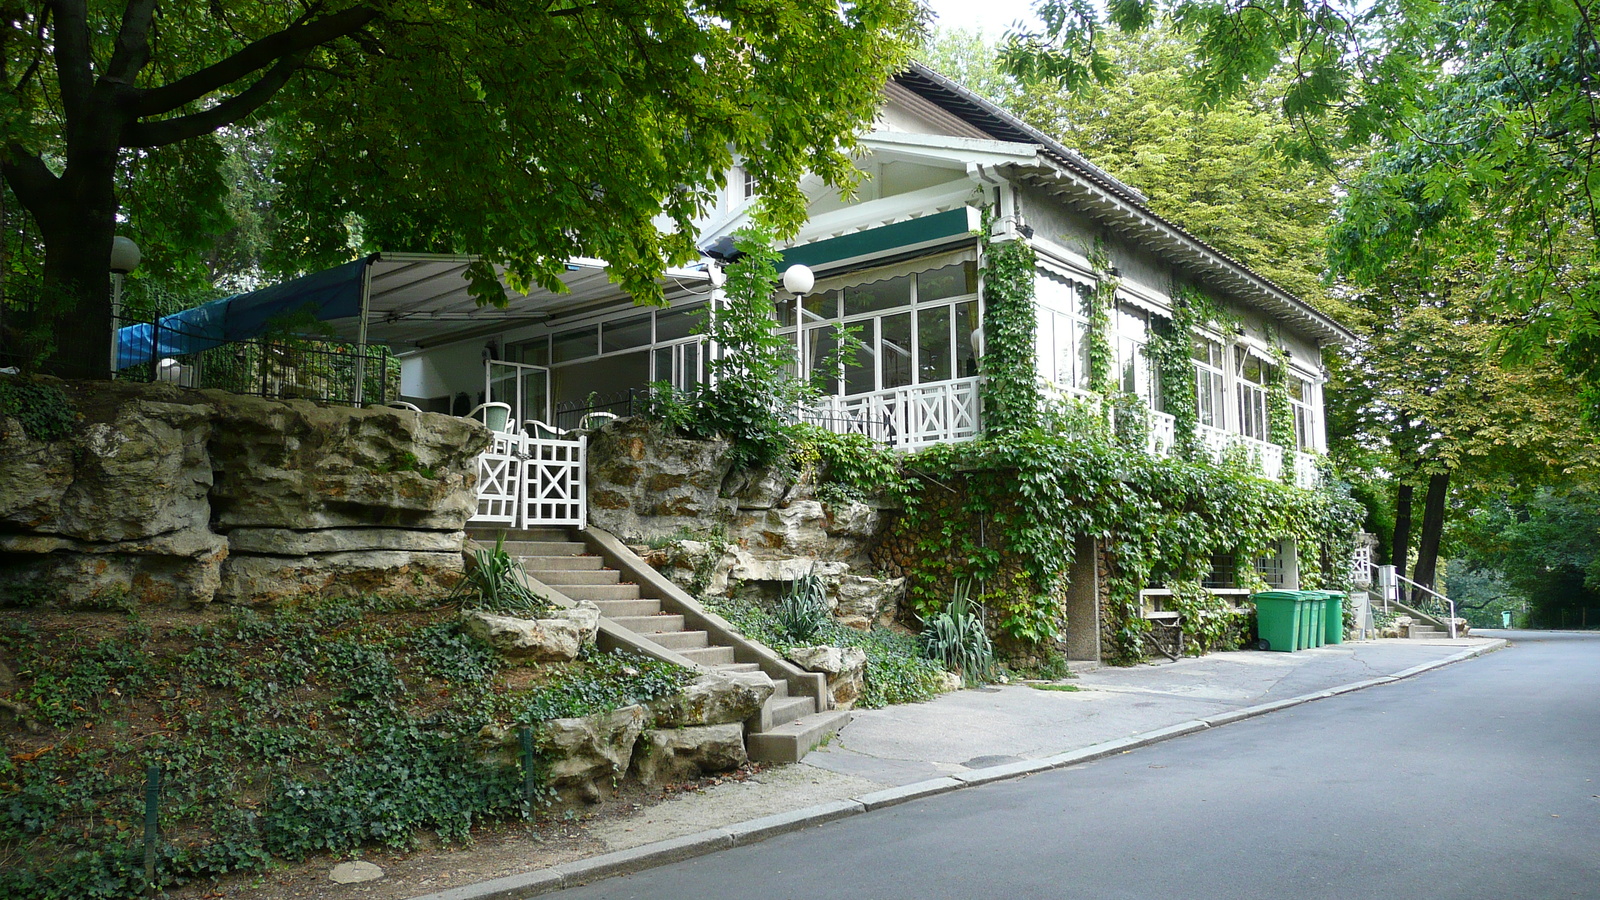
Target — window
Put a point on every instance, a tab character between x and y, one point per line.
1063	347
1209	394
913	329
1252	373
1300	401
1272	567
1134	374
1223	572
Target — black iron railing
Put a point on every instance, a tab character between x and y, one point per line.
571	413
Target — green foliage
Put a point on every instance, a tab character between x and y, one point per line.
605	682
678	91
1542	547
956	638
1011	398
896	670
1021	500
493	583
42	409
1280	415
802	612
1098	304
1171	353
318	728
846	467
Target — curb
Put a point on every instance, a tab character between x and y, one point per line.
648	856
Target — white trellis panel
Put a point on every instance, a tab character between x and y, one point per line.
554	486
500	481
905	417
525	482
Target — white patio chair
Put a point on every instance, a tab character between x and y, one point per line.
401	404
496	415
589	419
536	429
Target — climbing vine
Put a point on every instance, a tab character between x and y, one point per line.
1097	306
1011	397
1171	350
1280	415
1004	512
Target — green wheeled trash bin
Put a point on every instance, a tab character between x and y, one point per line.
1280	620
1332	617
1313	611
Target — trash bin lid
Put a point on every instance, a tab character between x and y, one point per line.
1279	595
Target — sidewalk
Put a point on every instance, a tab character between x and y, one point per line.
892	755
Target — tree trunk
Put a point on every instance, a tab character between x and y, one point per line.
1400	547
1432	529
76	296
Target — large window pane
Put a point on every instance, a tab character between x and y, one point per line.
625	334
1044	343
966	327
890	293
576	344
860	367
934	359
950	281
603	379
821	355
894	350
820	306
672	324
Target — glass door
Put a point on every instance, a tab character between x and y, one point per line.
525	388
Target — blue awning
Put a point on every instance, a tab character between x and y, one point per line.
326	296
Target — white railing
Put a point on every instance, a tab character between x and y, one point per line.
1163	431
527	481
906	417
1389	580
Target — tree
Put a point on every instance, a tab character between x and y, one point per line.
524	133
1546	546
1482	113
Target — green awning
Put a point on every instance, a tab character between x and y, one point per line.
912	234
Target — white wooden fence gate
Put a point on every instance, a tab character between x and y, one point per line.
526	481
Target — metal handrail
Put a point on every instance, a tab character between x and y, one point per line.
1379	570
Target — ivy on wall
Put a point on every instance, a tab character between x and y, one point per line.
1010	389
1097	306
1280	415
1171	350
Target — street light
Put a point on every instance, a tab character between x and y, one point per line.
798	280
125	258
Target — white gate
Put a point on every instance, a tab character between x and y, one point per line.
525	481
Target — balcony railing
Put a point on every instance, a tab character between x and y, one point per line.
909	417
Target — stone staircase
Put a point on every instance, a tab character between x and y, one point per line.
644	612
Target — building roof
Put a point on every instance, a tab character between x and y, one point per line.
1083	184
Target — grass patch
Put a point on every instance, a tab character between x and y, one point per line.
1069	688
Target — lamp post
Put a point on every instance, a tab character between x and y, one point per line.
125	258
798	280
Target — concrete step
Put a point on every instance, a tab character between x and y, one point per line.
681	640
545	548
780	689
1424	632
559	577
779	710
598	592
489	536
561	563
744	667
651	624
791	741
710	656
613	609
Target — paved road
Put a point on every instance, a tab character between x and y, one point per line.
1478	780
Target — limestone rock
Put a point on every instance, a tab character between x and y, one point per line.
716	698
294	464
862	601
852	520
262	580
291	542
354	872
949	681
585	616
679	754
531	640
846	668
759	489
644	483
589	754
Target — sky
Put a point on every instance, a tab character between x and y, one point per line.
993	17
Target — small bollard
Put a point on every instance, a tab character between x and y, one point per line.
152	809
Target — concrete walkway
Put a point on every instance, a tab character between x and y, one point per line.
892	755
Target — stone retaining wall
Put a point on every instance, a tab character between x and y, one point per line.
164	495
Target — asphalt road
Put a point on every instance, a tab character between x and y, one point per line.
1481	779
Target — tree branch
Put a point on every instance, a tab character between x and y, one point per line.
293	41
72	54
133	42
170	131
30	179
